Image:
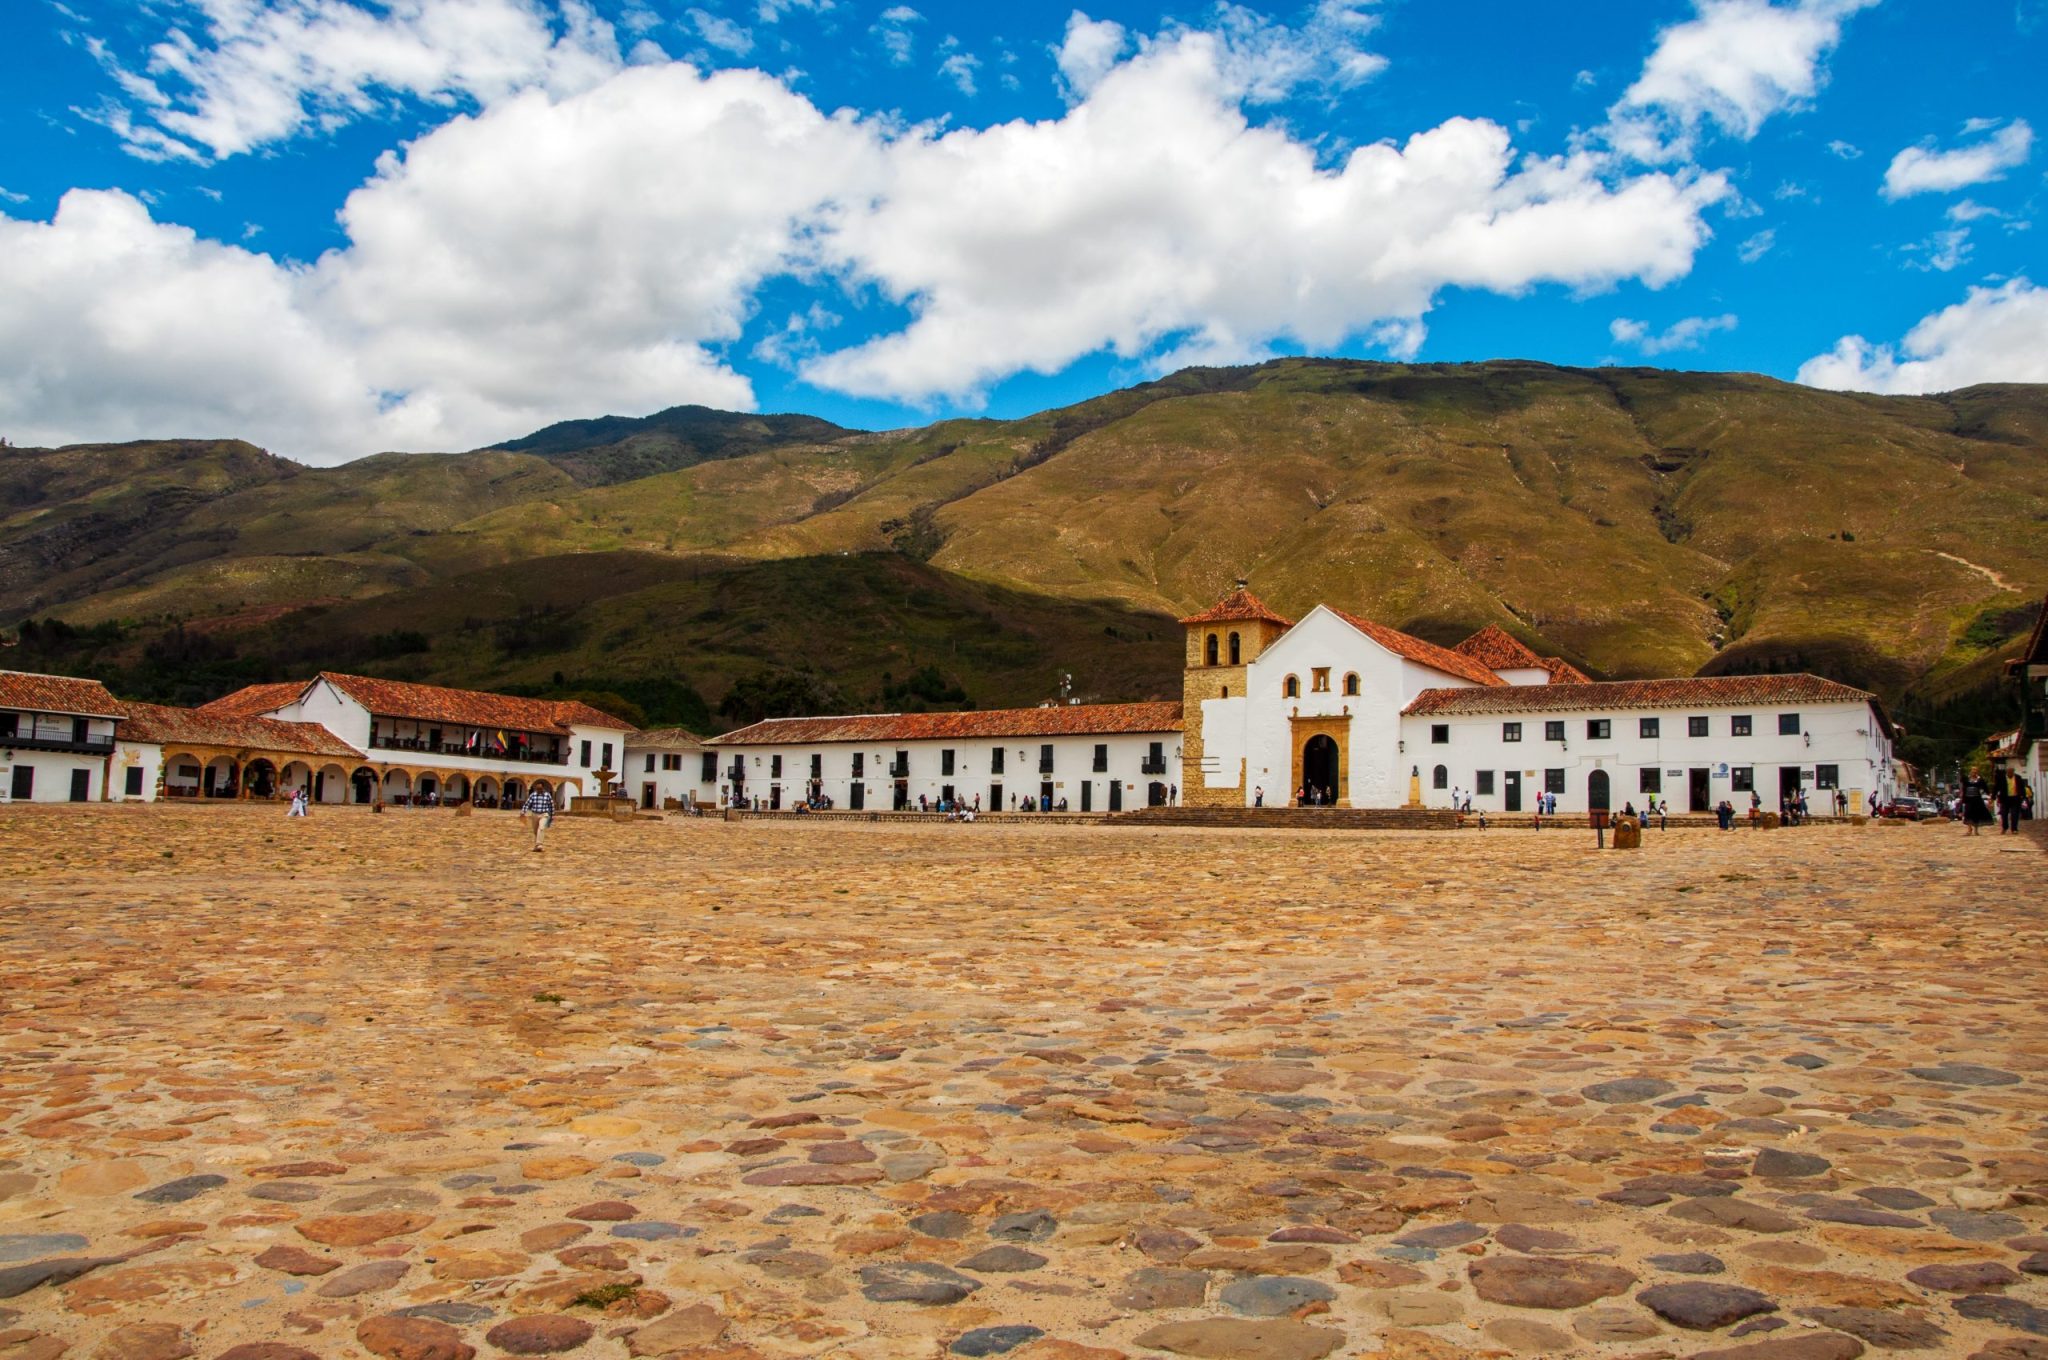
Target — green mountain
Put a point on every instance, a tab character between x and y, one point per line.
613	449
1635	520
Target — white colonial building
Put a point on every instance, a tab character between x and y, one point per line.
1359	715
1337	710
669	767
56	738
167	752
1087	757
431	744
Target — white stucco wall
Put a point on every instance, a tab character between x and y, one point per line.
50	780
49	772
1844	735
1524	675
1223	741
685	784
146	756
1073	767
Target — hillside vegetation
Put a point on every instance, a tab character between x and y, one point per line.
1638	521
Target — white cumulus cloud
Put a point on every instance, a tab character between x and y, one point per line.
1993	335
1089	52
1734	64
232	75
1155	218
1923	169
1688	333
114	326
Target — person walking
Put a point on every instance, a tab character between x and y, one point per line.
539	810
1976	805
1724	812
1259	796
298	807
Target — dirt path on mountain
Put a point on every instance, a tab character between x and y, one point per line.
1986	572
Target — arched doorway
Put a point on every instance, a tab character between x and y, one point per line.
221	780
398	787
486	793
455	789
181	775
330	785
1319	767
1596	791
428	790
364	784
515	793
260	778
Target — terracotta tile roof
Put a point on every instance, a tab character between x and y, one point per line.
475	708
168	726
1717	691
1563	672
58	694
664	739
254	701
1494	648
1422	653
1239	605
1073	720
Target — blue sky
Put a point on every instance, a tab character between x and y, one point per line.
338	226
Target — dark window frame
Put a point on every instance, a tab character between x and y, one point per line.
1649	728
1510	731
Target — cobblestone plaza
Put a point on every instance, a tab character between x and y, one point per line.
394	1085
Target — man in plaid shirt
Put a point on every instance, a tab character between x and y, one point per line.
540	810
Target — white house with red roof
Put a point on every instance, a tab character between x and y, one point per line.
56	738
435	745
1339	710
1689	742
1059	757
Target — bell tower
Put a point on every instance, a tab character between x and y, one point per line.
1223	640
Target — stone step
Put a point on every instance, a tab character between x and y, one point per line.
1292	818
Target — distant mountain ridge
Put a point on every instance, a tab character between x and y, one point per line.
1636	521
613	449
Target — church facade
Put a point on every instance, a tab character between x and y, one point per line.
1355	714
